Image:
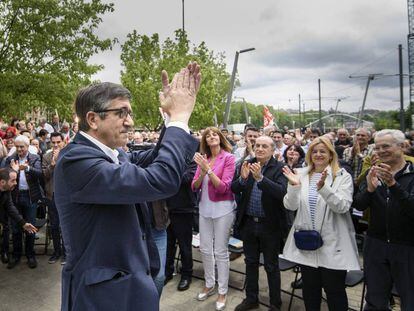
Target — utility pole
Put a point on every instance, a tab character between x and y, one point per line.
402	117
320	105
300	115
183	16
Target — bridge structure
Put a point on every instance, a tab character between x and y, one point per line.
352	120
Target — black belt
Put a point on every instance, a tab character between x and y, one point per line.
255	219
24	191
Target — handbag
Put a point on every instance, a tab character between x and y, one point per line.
309	240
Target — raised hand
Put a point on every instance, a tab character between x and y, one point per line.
256	170
385	174
23	166
372	179
202	162
245	170
298	135
321	181
249	148
54	156
14	165
292	177
356	149
29	228
178	97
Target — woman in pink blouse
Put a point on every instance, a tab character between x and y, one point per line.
215	171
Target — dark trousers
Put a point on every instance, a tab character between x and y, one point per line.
332	281
5	236
58	245
28	210
255	241
386	264
181	230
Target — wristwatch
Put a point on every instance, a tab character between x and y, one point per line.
209	171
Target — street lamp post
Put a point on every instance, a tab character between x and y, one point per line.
233	77
183	16
246	113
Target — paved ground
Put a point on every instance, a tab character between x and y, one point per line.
24	289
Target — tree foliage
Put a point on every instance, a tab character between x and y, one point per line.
45	46
144	57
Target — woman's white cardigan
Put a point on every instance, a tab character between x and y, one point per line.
339	250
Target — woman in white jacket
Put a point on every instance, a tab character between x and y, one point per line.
321	194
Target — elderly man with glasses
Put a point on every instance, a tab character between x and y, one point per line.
388	193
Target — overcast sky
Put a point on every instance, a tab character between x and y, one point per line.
296	41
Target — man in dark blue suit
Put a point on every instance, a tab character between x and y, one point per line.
99	189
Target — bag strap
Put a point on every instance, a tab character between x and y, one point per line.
326	206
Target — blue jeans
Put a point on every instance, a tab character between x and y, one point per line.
28	210
160	239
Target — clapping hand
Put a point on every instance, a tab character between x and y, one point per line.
256	170
178	97
385	174
298	135
55	155
321	181
292	177
372	179
14	165
202	162
249	148
23	166
245	170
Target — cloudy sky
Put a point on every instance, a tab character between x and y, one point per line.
296	41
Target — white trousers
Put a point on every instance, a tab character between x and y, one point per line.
214	239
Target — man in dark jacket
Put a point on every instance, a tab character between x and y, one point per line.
8	181
181	211
261	219
25	197
388	192
97	188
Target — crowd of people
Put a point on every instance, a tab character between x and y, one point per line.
275	189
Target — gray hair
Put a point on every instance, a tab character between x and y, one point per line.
22	139
95	97
363	129
397	135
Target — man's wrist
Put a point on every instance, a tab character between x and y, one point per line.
260	178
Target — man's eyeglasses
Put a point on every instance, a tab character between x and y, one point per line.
122	113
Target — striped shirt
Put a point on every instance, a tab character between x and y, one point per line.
313	196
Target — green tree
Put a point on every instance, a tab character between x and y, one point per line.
45	46
143	58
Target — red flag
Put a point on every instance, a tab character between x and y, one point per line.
267	117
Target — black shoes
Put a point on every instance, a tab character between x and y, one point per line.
184	284
13	262
247	305
53	259
4	258
297	284
274	308
167	279
31	262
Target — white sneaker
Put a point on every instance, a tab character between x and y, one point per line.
221	305
203	296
